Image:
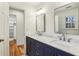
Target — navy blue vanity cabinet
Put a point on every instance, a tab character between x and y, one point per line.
36	48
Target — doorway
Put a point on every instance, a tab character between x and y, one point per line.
17	28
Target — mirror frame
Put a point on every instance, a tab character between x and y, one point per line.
44	19
64	7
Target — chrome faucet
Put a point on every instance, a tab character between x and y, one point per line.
63	35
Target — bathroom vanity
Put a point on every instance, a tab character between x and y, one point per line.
37	47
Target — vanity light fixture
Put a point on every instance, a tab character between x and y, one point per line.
41	11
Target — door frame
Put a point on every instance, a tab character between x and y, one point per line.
12	8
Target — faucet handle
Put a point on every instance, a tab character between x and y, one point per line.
60	38
69	40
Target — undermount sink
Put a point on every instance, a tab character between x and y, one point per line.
75	42
61	43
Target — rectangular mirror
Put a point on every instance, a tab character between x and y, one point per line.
40	23
66	19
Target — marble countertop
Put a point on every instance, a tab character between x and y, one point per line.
55	42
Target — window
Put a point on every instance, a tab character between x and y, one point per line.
12	26
70	22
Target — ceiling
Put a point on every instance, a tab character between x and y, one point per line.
24	5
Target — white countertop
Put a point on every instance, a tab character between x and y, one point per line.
65	46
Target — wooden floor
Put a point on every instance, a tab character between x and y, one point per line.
14	49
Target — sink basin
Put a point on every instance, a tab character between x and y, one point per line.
61	43
43	38
75	42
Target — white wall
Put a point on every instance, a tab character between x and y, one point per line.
30	21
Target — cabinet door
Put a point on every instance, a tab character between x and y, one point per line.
62	53
37	48
28	46
33	46
49	51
